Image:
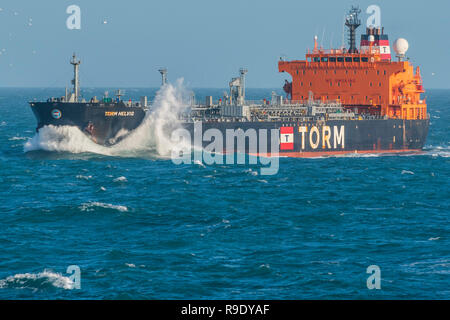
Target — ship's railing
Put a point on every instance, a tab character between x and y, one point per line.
257	102
340	52
326	51
273	104
222	103
311	102
294	117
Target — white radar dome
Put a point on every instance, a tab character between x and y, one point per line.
401	46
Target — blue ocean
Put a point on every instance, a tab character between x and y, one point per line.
137	226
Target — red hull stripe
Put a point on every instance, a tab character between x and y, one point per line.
335	153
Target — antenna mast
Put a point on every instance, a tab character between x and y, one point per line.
76	80
163	72
352	21
242	72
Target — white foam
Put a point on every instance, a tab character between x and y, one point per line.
84	177
26	280
407	172
152	136
90	206
438	151
121	179
359	155
63	139
17	138
199	163
251	172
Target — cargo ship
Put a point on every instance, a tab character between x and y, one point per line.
339	101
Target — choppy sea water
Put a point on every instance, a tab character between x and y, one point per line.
140	227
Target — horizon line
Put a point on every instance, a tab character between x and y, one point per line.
148	87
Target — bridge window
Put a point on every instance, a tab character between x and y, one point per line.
324	59
384	72
316	59
332	59
365	59
379	84
340	59
378	72
356	59
310	84
348	59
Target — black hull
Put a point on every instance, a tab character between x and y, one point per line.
105	124
312	139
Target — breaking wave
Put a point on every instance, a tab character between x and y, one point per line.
17	138
37	281
121	179
152	136
90	206
438	151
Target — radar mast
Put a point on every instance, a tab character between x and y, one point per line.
242	73
76	80
163	72
352	21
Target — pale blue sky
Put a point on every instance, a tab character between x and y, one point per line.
204	41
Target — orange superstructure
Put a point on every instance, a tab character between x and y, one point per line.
366	79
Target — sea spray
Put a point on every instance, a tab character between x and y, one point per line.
63	139
156	129
37	281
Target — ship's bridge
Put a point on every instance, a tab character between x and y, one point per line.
358	80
